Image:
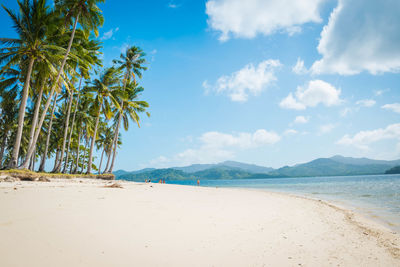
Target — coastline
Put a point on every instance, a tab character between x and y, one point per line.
80	222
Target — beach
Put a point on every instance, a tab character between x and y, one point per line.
82	222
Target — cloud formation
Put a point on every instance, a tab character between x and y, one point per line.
395	107
246	19
360	36
301	119
217	146
314	93
109	34
366	103
299	68
250	80
363	139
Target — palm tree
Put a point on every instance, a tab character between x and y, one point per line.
88	52
106	89
133	64
89	15
130	107
32	24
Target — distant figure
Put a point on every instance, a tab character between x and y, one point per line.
149	180
145	181
160	182
198	182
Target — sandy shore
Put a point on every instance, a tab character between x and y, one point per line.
82	223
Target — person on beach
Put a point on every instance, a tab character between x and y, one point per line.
198	182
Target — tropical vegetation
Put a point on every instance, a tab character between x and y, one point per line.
56	100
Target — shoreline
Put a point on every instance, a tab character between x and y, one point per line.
240	224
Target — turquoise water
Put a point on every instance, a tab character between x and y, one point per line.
377	196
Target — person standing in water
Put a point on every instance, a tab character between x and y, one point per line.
198	182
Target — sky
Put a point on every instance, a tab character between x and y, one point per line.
268	82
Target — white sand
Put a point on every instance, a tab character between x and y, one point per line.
72	223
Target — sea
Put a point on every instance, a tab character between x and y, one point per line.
374	196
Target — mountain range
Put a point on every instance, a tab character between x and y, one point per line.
334	166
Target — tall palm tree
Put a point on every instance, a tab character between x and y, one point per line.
89	16
130	107
88	52
132	63
32	24
106	89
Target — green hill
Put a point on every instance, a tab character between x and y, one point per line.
394	170
330	167
178	175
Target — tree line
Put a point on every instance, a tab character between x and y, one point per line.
56	100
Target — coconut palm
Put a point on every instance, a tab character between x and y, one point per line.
130	107
106	90
89	17
32	24
132	63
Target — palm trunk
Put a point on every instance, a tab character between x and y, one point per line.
46	149
65	132
72	126
115	140
89	167
115	143
78	150
36	115
108	160
31	148
3	147
57	158
101	160
85	156
21	115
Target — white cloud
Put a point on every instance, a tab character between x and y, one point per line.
246	19
173	5
395	107
216	146
361	36
249	80
346	111
290	132
314	93
299	68
301	119
381	92
366	103
326	128
109	34
363	139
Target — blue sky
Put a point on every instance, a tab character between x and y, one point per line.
274	82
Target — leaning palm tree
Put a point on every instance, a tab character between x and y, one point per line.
89	16
132	63
32	24
130	107
88	53
106	89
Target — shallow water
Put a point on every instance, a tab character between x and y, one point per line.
377	196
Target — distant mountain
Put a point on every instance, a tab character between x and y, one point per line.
155	175
394	170
252	168
194	168
364	161
119	172
223	172
333	167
